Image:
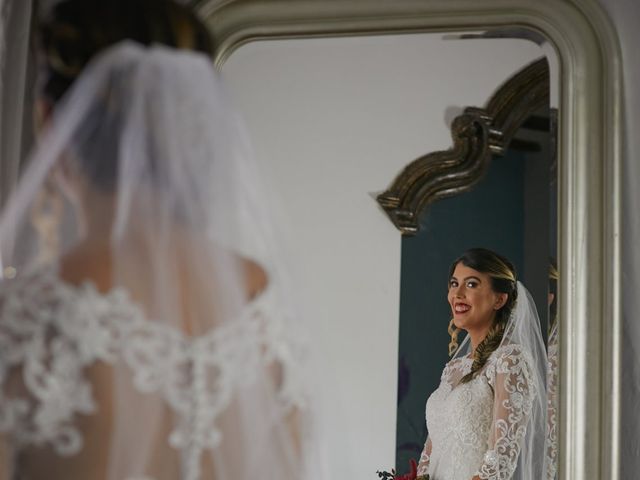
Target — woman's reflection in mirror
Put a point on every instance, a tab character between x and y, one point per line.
487	418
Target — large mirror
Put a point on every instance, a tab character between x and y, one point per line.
496	189
335	119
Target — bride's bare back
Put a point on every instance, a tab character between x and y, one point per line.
92	264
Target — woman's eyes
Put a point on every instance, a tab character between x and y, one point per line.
469	284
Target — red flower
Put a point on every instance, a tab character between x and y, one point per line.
413	472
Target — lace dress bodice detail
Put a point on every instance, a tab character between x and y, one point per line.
51	332
475	428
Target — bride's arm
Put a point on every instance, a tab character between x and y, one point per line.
513	396
423	465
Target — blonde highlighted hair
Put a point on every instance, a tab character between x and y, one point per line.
503	280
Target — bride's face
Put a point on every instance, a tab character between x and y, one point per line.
472	299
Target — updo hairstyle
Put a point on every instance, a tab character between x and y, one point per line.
74	31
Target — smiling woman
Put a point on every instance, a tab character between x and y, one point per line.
482	302
487	417
474	302
589	140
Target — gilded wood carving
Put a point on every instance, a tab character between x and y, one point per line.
478	134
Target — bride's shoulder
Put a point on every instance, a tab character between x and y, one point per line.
87	264
462	364
38	281
41	296
509	349
28	301
509	357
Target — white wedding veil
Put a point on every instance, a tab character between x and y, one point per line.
213	371
523	333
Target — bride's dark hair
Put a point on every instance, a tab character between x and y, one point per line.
74	31
503	280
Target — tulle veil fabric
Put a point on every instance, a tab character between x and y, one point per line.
188	218
523	330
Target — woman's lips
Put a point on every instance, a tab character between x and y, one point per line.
461	308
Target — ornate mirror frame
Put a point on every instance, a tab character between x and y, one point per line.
589	140
478	134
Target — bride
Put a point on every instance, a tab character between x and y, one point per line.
146	323
486	420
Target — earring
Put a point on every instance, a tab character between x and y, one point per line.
46	215
453	344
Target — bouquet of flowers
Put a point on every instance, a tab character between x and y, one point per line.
412	475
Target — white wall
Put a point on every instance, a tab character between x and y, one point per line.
334	120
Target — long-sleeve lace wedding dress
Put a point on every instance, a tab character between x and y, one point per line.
472	430
491	427
149	357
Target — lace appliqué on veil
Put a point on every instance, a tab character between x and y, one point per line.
51	331
425	457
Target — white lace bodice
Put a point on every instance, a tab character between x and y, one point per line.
51	332
476	428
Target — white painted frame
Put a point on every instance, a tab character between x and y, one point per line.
589	206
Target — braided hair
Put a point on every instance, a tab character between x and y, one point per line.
503	280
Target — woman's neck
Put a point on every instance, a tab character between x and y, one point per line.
476	336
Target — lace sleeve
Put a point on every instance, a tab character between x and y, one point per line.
423	465
514	391
551	437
